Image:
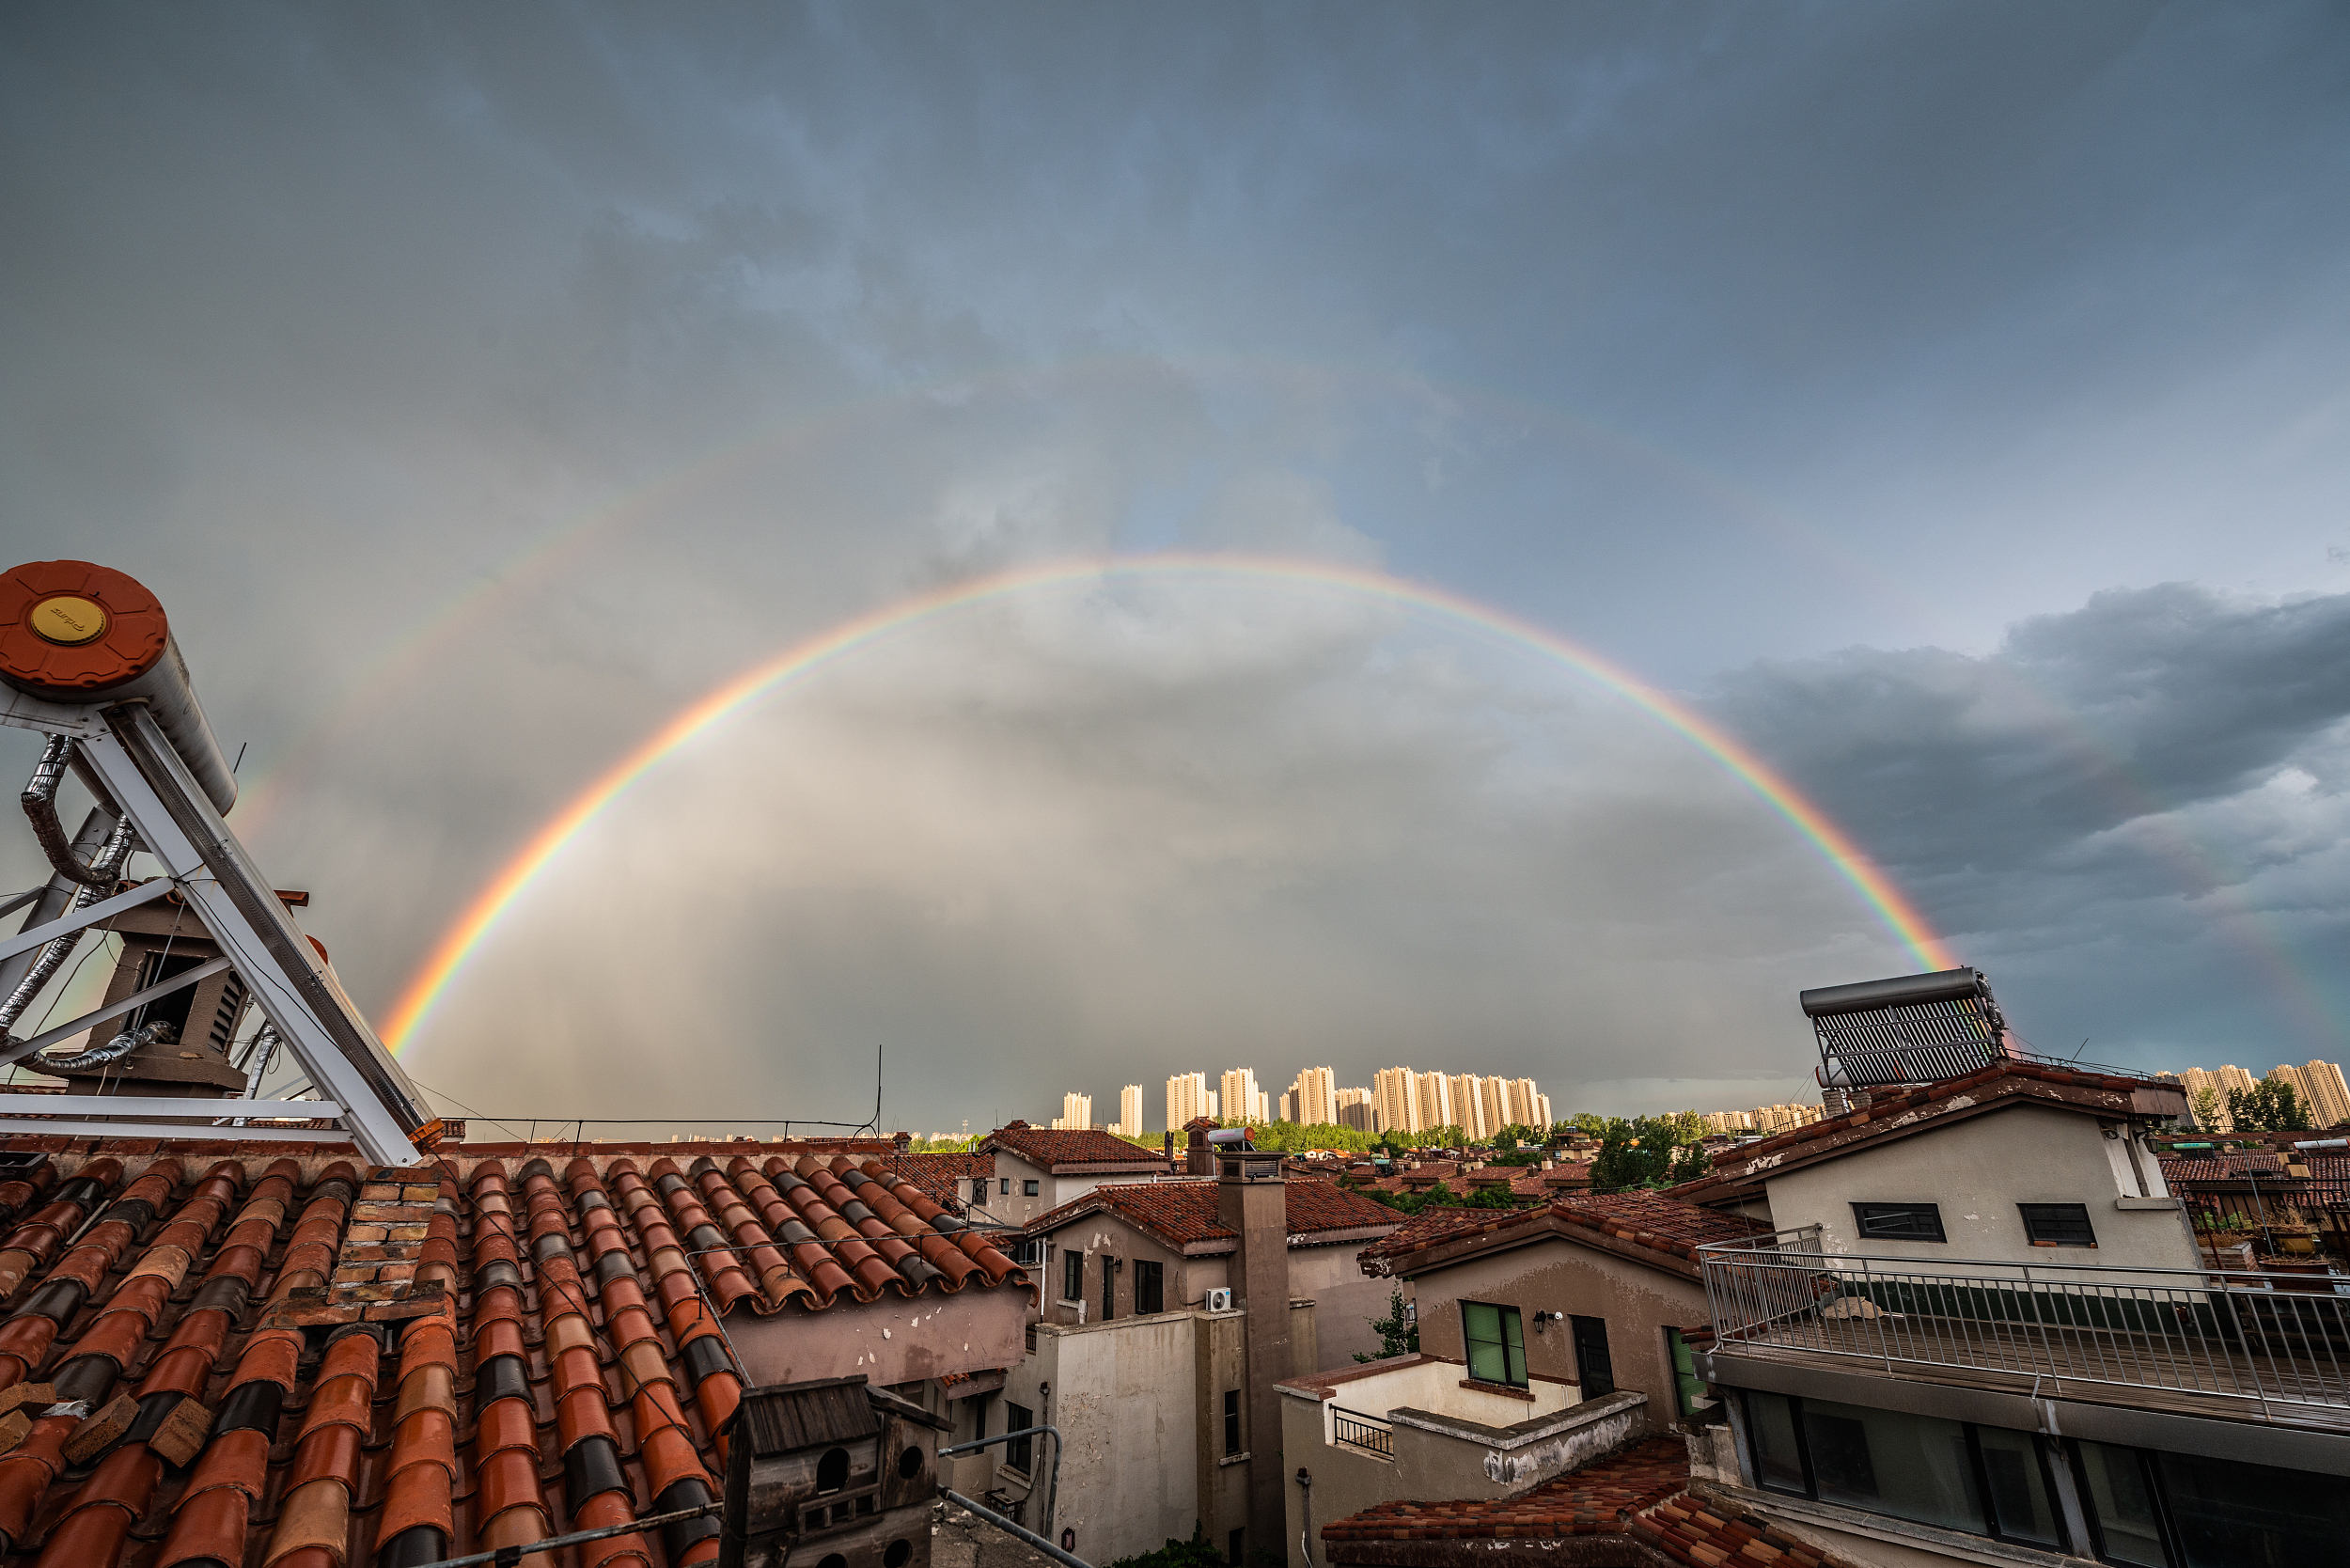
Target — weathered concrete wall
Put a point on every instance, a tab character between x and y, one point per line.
890	1338
1978	1171
1098	1236
1454	1458
1126	1483
1344	1300
1637	1302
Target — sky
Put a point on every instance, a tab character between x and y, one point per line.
1951	402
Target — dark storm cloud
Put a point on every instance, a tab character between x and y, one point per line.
479	386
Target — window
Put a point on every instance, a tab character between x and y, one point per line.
2058	1224
1003	1187
1231	1423
1691	1392
1028	1189
1235	1548
1019	1451
1497	1343
1594	1368
1109	1287
1073	1275
2119	1496
1150	1286
1986	1481
1917	1222
978	1190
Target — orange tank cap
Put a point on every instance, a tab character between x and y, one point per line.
70	628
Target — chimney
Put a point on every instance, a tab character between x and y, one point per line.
1252	1198
1197	1160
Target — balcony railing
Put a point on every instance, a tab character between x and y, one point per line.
2224	1343
1356	1430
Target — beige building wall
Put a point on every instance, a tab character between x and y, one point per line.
1436	1108
2329	1094
1976	1171
1637	1303
1129	1123
1314	1096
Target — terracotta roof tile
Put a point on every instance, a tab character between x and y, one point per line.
1183	1214
1054	1148
555	1366
1640	1492
1650	1221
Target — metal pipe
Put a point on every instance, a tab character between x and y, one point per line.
1068	1560
51	899
2318	1143
160	1032
111	856
40	800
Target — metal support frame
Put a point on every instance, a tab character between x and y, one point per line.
16	1051
1052	1494
364	1092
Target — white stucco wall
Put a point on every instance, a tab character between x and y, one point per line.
1977	1170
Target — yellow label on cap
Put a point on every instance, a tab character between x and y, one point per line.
68	619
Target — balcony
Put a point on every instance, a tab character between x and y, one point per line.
2245	1347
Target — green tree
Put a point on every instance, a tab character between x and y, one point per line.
1398	1334
2270	1105
1645	1151
1193	1553
2207	1108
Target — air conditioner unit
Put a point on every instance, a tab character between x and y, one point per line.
1220	1301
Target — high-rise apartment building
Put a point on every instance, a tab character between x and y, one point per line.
1129	1122
1077	1113
1524	1106
1436	1108
1187	1098
1468	1107
1395	1101
1314	1098
1241	1099
1356	1110
2195	1079
2329	1093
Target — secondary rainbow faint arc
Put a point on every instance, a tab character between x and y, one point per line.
459	943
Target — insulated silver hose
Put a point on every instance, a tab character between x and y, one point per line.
109	863
40	804
160	1032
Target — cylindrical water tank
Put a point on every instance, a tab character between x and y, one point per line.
72	631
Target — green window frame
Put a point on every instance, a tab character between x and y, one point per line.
1496	1337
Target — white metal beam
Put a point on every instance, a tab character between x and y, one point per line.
80	920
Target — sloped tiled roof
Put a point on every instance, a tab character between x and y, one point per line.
537	1352
1641	1493
1649	1227
1892	1116
1183	1214
1052	1150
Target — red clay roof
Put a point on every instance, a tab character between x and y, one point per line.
1052	1150
1649	1227
1894	1116
1641	1493
512	1347
1183	1214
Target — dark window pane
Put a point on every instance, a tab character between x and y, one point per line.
1109	1287
1028	1189
2058	1224
1149	1287
1595	1370
2019	1489
1899	1221
1771	1429
2121	1507
1888	1462
2234	1515
1231	1420
1019	1451
1073	1275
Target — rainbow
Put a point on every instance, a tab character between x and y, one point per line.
465	937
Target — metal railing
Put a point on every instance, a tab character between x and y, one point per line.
2255	1346
1368	1432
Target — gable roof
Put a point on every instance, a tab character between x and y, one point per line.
1074	1150
1743	1169
1183	1214
1651	1227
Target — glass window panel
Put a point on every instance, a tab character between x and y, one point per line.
2234	1515
1488	1358
1899	1221
2019	1488
2058	1224
2122	1506
1513	1339
1889	1462
1771	1428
